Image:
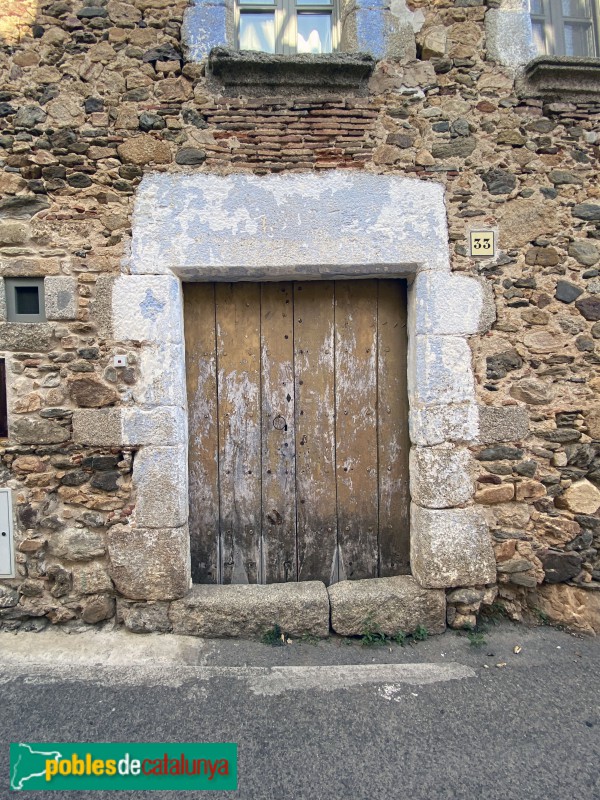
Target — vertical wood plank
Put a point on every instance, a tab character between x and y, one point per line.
238	365
356	427
201	378
315	431
278	439
392	403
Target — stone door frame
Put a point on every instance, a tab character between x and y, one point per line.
338	224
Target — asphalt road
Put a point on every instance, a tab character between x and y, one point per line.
436	721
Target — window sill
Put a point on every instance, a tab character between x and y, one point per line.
264	73
562	77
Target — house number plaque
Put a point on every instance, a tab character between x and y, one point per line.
482	244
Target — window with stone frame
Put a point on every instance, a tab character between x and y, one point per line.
287	26
565	27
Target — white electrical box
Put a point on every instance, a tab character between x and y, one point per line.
120	361
7	550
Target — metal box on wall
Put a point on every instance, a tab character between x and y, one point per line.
7	554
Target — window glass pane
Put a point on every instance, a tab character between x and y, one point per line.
539	39
257	3
578	40
537	7
575	8
314	33
27	300
257	32
313	2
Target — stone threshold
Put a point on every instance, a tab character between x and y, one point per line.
307	608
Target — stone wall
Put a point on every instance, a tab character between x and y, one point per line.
94	95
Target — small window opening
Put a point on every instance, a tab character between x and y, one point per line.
25	299
3	401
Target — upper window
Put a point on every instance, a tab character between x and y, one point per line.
287	26
565	27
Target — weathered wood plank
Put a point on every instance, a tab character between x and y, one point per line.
392	404
315	431
278	439
238	366
201	378
356	427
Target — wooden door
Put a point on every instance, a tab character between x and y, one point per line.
298	430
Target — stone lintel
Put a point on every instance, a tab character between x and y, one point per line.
299	224
390	604
250	610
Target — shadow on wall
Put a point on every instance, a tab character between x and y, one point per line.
16	19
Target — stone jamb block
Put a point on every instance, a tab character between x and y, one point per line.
436	424
134	426
251	610
2	300
392	604
441	477
204	27
147	308
509	34
450	304
160	482
165	425
150	564
440	371
450	547
162	380
60	297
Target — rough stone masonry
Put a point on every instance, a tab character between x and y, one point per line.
96	96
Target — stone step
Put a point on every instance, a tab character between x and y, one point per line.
249	610
387	605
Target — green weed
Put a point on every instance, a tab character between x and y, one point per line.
274	636
476	638
420	633
373	636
